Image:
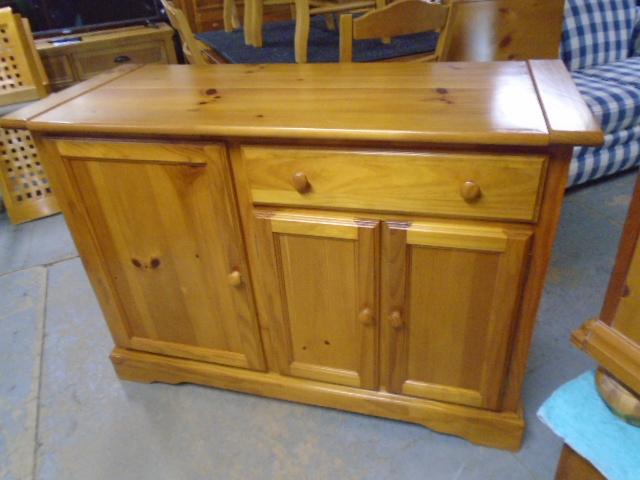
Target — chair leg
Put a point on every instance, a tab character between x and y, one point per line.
381	4
230	16
256	23
248	13
302	30
346	38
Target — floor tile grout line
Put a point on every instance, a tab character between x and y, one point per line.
45	265
40	374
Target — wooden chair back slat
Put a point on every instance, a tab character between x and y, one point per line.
191	48
403	17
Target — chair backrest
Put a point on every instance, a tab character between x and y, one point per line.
495	30
403	17
597	33
22	76
191	48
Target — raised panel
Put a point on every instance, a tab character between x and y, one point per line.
167	232
326	272
450	293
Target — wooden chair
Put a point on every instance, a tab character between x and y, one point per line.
253	18
304	9
195	51
403	17
24	185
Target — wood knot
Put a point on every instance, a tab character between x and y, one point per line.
211	91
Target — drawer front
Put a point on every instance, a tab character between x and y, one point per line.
92	62
454	184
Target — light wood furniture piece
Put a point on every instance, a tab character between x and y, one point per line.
613	339
194	51
24	186
21	74
403	17
68	63
373	238
490	30
573	466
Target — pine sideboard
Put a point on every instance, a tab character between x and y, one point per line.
367	237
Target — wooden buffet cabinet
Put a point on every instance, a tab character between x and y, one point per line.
372	238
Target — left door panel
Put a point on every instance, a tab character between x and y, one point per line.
162	220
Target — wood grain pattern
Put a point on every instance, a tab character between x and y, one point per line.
171	238
612	349
494	429
490	30
627	254
568	117
540	255
459	299
326	271
429	182
437	102
367	296
18	118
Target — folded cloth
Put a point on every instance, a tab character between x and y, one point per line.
576	413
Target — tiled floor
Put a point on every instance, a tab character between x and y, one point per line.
65	415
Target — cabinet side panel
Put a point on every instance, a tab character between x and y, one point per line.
541	248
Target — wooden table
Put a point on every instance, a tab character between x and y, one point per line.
368	237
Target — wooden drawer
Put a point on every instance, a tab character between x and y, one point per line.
90	63
419	183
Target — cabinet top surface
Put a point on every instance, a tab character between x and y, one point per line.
473	103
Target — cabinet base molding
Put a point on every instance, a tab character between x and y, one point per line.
492	429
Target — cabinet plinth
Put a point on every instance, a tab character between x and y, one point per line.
384	262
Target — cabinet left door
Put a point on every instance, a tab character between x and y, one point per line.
156	225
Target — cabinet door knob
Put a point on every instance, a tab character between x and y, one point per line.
235	278
300	182
470	191
365	317
395	318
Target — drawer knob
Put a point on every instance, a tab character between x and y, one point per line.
395	319
122	59
470	191
300	182
235	278
365	317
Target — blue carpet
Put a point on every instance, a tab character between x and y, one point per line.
323	45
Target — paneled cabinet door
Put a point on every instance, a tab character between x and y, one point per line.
321	276
450	294
163	221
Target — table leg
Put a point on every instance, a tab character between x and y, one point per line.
302	30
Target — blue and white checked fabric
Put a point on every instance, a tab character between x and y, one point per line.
624	72
596	32
616	105
620	151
